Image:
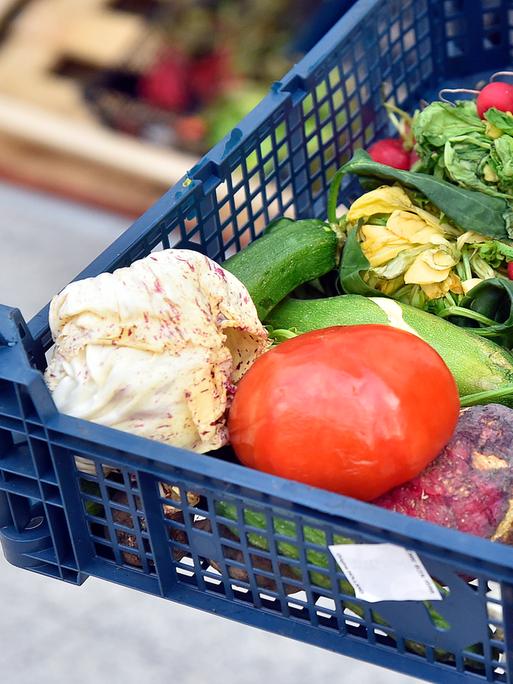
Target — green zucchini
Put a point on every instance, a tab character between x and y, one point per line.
483	371
289	254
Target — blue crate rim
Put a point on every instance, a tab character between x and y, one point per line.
311	500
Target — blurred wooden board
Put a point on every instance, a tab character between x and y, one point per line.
6	7
58	173
43	169
49	138
46	33
84	161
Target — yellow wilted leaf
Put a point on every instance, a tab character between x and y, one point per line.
435	290
411	227
380	245
467	285
383	200
431	266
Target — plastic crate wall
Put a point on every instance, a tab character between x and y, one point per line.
205	531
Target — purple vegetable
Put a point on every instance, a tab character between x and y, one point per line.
469	486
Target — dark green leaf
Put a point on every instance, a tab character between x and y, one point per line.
492	298
353	264
468	209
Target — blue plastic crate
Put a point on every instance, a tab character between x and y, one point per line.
205	531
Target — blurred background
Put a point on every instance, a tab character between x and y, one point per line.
104	104
111	101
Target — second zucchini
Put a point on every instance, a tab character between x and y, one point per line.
483	371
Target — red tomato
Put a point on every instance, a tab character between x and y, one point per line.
356	410
495	94
391	152
510	270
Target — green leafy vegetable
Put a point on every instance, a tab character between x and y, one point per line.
468	209
454	144
492	253
502	158
461	159
501	120
353	264
440	121
488	310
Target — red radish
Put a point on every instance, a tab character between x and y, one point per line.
414	158
498	95
391	152
510	270
165	84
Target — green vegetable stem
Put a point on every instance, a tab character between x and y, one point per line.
487	309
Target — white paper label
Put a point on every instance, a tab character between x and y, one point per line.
385	572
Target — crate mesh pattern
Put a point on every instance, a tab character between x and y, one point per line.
78	499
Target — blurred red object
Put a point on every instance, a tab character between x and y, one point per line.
191	129
165	84
210	75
